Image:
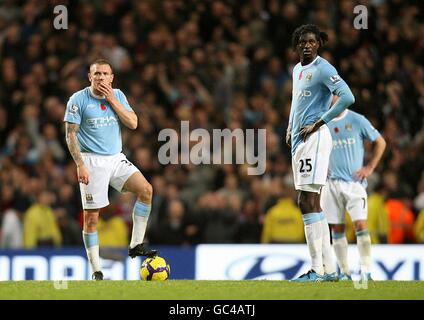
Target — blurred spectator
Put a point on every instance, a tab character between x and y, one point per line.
231	187
69	199
283	221
70	230
349	229
419	199
159	203
378	216
217	219
173	229
401	219
419	227
11	235
40	225
113	231
249	226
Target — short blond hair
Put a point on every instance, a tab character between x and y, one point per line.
102	62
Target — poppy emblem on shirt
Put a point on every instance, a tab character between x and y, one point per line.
336	130
103	107
300	75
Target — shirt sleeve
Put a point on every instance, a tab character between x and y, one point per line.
346	98
123	100
368	131
338	87
331	78
73	111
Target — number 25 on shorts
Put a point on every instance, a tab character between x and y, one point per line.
305	165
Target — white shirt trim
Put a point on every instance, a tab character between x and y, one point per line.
309	64
94	95
341	116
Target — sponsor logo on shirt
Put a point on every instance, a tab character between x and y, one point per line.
303	93
343	143
101	122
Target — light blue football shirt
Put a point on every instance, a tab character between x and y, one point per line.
99	130
313	87
348	133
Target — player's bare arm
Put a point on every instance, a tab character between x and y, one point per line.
366	171
74	150
128	118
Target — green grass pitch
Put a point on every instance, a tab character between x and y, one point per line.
209	290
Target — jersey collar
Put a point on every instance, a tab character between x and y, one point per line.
340	117
309	64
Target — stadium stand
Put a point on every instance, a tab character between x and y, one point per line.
217	64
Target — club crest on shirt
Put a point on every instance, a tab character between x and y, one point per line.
309	77
348	126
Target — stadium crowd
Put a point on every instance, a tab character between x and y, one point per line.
218	64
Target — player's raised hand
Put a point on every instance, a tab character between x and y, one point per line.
83	174
363	173
106	90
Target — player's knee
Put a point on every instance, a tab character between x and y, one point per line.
304	206
307	202
337	227
146	192
301	201
360	225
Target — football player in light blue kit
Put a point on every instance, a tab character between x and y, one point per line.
345	189
93	134
315	81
